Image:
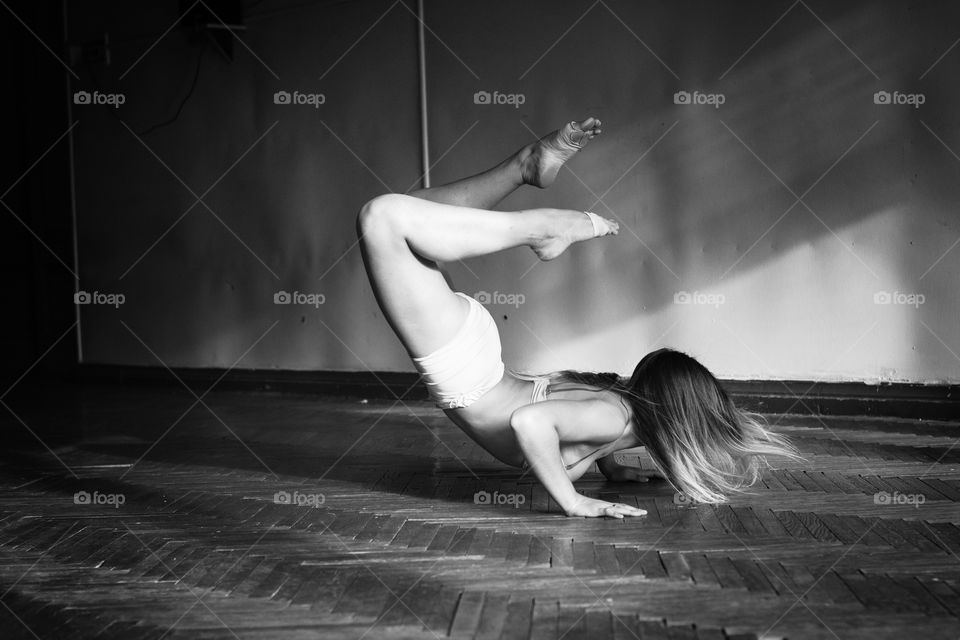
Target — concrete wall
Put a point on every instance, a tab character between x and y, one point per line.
199	285
707	196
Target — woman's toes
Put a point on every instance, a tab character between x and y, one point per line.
590	126
544	159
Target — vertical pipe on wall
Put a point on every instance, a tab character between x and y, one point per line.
73	196
424	136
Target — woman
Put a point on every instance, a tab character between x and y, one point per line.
671	404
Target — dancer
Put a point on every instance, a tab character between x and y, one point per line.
559	424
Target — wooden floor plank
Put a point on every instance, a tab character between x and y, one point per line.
400	549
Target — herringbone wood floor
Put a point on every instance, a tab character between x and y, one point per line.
399	547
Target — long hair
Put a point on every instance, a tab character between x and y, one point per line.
704	445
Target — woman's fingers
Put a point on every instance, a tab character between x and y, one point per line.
621	510
592	508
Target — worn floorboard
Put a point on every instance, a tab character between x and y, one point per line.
146	514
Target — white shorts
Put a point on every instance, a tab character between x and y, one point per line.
460	372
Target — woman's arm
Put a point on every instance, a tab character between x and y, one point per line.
541	427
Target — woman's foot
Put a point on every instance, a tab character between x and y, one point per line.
541	161
564	227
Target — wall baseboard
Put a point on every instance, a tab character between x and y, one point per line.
895	400
900	400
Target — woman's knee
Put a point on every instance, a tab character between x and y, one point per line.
382	215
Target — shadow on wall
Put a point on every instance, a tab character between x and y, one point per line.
794	201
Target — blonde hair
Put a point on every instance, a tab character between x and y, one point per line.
704	445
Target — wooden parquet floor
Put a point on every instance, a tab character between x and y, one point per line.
145	514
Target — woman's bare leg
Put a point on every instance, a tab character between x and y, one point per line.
403	237
536	164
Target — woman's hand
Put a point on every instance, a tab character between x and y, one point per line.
541	427
585	507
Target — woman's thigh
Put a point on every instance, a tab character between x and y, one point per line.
413	294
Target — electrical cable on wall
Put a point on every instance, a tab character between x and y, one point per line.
186	98
183	101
